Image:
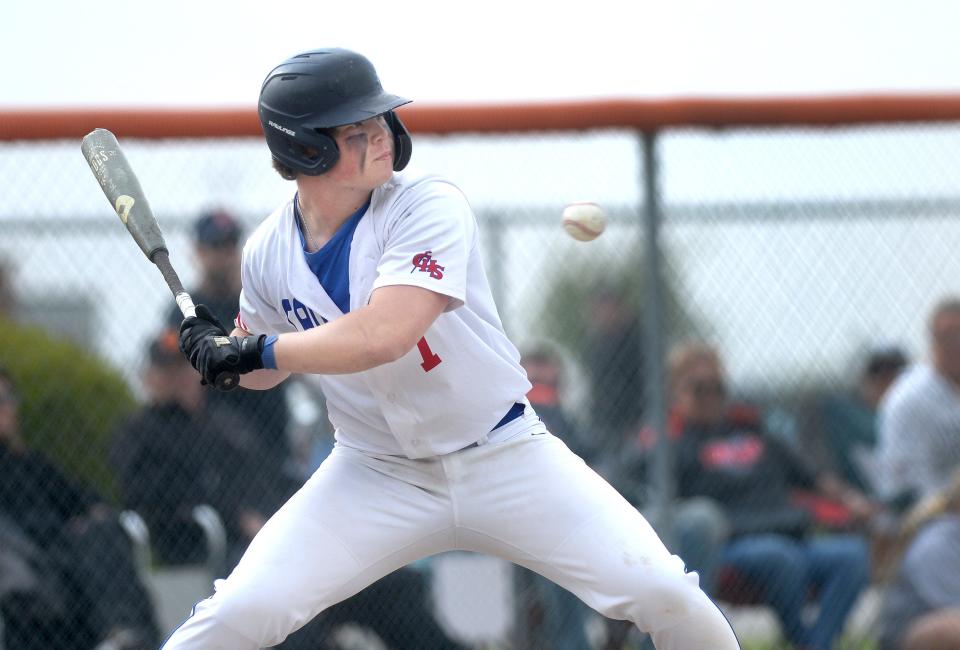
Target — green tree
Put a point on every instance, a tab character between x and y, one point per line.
70	401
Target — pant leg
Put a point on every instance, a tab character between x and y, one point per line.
357	519
779	564
532	501
840	567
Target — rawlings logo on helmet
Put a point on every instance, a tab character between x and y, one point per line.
289	132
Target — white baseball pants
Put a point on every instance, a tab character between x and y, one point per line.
527	499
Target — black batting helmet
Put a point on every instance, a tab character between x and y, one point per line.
313	92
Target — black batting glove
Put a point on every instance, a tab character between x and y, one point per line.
195	329
221	355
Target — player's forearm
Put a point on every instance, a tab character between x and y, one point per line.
382	331
359	341
263	379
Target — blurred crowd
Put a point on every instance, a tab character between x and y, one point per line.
861	493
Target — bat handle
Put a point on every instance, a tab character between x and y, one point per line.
225	381
185	303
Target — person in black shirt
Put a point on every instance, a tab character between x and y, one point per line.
217	247
67	574
723	453
614	364
178	451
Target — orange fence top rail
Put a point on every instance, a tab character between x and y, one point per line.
638	114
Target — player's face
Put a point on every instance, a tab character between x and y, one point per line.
366	153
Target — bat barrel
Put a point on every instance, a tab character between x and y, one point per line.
122	188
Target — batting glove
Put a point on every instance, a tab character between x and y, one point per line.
194	329
217	356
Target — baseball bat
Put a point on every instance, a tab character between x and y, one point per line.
122	189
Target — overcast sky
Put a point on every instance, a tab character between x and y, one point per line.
216	52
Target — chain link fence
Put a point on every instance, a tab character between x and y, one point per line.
794	253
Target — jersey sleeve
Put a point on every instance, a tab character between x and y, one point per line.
429	245
253	307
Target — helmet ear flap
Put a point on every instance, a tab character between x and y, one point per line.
323	150
312	153
402	143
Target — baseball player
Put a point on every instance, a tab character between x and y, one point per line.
371	277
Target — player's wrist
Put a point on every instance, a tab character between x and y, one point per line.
268	351
250	353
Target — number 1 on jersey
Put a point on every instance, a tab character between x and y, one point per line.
430	359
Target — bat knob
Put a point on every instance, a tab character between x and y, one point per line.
227	381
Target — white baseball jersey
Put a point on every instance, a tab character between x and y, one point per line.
462	377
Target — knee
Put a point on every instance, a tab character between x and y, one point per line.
850	557
678	614
659	599
255	614
769	557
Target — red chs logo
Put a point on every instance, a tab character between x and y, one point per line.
425	263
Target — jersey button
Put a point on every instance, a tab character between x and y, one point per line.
392	398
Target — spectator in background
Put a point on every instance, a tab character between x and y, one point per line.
67	574
545	371
846	426
563	614
842	442
722	453
217	238
919	423
921	606
613	358
177	452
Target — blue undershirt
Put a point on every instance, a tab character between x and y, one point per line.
331	264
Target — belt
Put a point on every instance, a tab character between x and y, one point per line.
515	411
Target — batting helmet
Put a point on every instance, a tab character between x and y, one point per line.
310	93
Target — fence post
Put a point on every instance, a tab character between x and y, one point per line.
655	340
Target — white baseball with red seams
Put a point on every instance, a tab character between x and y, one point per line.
584	220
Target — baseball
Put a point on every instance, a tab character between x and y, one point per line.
584	220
